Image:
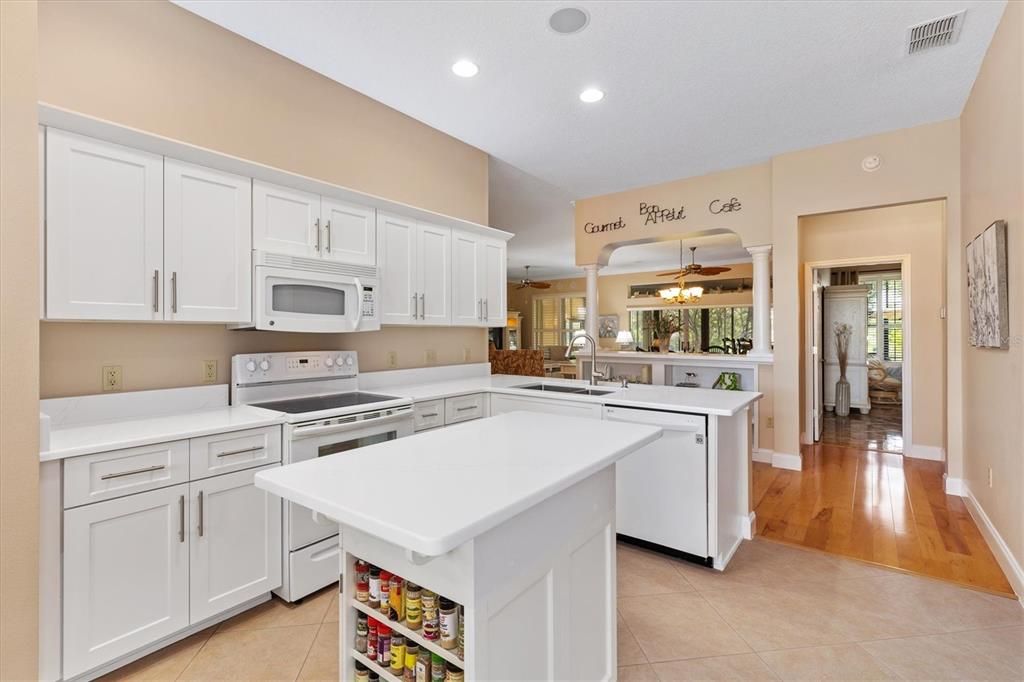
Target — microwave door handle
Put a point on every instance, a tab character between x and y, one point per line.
359	305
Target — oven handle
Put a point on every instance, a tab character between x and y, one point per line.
310	431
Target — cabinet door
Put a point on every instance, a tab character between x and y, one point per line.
125	575
495	285
207	244
396	262
104	230
236	549
434	266
350	232
285	220
467	280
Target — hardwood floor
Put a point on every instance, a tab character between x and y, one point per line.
880	429
878	507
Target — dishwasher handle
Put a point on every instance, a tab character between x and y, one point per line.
669	421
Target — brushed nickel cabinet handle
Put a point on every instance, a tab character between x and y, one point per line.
415	307
317	225
328	236
174	292
423	306
181	519
156	291
201	529
239	452
144	470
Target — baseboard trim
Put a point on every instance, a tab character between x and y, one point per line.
930	452
762	455
1011	567
954	486
750	527
782	460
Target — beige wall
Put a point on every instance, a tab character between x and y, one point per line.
916	230
992	154
19	343
158	68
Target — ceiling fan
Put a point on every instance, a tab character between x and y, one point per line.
694	268
527	282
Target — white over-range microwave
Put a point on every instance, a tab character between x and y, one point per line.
295	294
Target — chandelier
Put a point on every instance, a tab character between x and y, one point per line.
681	293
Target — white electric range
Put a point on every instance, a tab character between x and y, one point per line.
317	393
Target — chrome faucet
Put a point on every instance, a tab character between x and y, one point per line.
594	374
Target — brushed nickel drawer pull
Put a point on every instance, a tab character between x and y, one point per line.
463	409
239	452
429	416
156	291
201	513
181	519
174	292
157	467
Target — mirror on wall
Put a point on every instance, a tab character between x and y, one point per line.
694	329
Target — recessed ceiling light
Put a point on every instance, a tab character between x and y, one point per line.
591	95
465	68
569	20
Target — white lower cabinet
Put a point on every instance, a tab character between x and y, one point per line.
501	404
126	575
235	552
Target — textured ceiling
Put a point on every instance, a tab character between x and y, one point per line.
692	87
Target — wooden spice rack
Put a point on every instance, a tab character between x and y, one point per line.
384	673
412	635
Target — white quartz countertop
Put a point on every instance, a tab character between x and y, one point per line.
671	398
85	439
480	474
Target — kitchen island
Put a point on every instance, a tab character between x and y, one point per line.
522	538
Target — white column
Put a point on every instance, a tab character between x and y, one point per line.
762	300
590	324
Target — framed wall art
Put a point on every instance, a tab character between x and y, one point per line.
988	303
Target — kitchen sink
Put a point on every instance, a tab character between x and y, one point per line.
555	388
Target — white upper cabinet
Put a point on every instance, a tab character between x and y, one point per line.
285	220
104	230
478	277
495	286
396	258
207	245
434	274
350	233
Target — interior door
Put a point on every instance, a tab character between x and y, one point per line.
125	575
104	230
434	266
207	244
817	360
396	251
467	280
285	220
236	549
350	232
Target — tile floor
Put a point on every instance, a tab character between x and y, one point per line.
778	612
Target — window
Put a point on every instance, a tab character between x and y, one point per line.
885	315
555	318
699	328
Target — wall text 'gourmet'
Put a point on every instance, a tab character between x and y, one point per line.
593	228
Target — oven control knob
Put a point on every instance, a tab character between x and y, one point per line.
348	361
264	365
250	366
329	362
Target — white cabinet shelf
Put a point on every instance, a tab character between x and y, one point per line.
384	673
414	635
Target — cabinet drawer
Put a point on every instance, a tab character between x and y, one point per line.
234	451
428	415
464	408
106	475
313	567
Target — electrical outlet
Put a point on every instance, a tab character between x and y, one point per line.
770	422
467	353
111	378
209	371
990	477
392	359
431	356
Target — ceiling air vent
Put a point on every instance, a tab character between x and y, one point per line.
935	33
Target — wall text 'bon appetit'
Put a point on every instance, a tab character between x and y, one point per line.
654	214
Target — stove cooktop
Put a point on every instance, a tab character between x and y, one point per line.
325	402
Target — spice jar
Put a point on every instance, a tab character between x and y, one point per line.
385	587
428	608
397	654
362	673
363	591
436	668
374	584
362	633
374	677
371	640
449	618
362	571
453	673
413	606
412	652
423	666
461	648
383	645
396	597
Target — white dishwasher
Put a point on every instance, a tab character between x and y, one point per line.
661	490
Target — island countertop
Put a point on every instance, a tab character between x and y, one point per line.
479	475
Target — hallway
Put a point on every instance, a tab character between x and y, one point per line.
879	430
877	507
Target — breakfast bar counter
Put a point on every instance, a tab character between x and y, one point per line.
522	538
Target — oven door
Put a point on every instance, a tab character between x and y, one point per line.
300	301
316	439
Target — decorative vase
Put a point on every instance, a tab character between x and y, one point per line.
842	397
663	343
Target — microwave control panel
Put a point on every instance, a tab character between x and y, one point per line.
369	302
